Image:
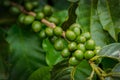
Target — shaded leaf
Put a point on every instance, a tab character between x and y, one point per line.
98	34
108	63
106	18
115	73
61	15
52	56
61	71
42	73
82	71
73	0
3	56
83	14
115	11
26	53
71	16
111	50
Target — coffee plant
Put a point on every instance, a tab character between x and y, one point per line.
60	40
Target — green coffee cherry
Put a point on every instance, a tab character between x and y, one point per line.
89	54
21	18
70	35
65	53
39	15
79	55
74	25
53	39
59	45
28	19
86	35
35	3
14	10
49	31
42	34
90	44
73	61
76	30
72	46
36	26
54	20
80	39
58	31
47	10
6	3
28	6
81	47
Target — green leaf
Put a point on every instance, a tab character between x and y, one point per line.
111	50
108	63
60	4
72	16
82	71
115	73
61	15
42	73
26	53
52	56
115	11
98	34
73	0
61	71
106	17
4	51
83	14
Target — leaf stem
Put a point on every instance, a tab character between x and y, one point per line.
95	68
91	75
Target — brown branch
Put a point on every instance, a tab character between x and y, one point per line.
22	9
44	21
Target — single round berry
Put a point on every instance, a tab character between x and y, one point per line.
79	55
74	25
49	31
39	15
35	3
70	35
21	18
73	61
14	10
42	34
47	10
58	31
81	47
65	53
89	54
28	19
80	39
53	39
6	3
28	5
59	45
76	31
97	49
90	44
36	26
86	35
72	46
54	20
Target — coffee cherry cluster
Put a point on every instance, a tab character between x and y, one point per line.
30	13
80	45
